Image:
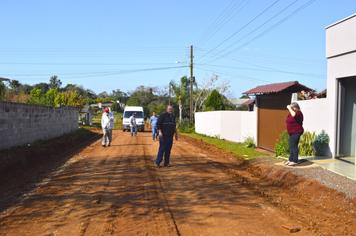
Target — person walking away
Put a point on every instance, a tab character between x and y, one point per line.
153	124
133	124
111	125
295	129
105	125
166	125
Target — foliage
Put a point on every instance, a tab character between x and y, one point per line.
321	142
250	142
239	149
186	127
306	144
2	90
54	82
282	146
36	96
181	94
217	102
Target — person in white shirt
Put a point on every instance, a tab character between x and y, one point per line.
133	124
105	125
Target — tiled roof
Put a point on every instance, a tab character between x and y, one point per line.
292	86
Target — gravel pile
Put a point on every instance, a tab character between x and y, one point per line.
329	179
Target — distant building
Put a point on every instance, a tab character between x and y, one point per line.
86	115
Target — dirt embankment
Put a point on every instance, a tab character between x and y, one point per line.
308	201
22	167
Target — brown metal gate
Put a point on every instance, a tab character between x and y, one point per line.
272	113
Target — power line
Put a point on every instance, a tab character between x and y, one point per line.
107	73
225	17
237	76
259	27
266	69
269	29
242	28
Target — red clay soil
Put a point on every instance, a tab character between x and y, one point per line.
118	191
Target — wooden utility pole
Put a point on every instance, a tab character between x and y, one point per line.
191	116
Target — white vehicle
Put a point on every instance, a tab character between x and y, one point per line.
140	118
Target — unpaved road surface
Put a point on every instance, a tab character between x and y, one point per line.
118	191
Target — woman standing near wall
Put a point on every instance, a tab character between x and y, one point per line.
295	130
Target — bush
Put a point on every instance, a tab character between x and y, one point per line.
282	146
250	142
186	127
306	147
321	142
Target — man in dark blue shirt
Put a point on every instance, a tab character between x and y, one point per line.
166	125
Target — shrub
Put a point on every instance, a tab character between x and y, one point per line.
306	147
282	146
186	127
250	142
321	142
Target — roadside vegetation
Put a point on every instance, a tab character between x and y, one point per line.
239	149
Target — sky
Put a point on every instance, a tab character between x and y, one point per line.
115	44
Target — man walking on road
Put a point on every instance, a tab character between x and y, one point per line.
133	124
167	129
153	124
105	125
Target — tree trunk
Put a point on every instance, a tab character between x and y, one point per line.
180	111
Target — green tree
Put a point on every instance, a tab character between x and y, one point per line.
2	90
181	94
36	96
217	102
54	82
50	97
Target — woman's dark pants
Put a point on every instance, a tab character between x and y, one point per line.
293	146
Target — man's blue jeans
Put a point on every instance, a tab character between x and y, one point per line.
133	130
154	132
165	146
293	146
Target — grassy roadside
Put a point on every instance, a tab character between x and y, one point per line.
239	149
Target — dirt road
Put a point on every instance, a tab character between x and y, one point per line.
118	191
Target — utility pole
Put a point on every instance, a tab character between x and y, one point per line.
191	119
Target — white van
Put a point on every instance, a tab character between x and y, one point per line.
140	118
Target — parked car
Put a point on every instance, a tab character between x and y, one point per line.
140	121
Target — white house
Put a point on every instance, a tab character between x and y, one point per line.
341	86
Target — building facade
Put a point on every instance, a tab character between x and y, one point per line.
341	87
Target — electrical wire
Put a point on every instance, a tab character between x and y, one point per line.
258	27
268	29
242	28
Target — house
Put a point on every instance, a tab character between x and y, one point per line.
86	115
271	101
341	86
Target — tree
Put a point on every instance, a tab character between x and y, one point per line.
42	86
54	82
35	96
217	102
2	90
50	97
181	94
15	85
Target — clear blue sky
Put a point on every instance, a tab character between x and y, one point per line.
91	43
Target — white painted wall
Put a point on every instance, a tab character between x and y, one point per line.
340	51
317	116
230	125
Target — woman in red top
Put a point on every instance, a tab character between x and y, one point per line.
295	130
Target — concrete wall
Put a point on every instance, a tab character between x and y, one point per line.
317	115
230	125
22	124
341	63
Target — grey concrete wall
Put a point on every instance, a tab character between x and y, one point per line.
23	124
